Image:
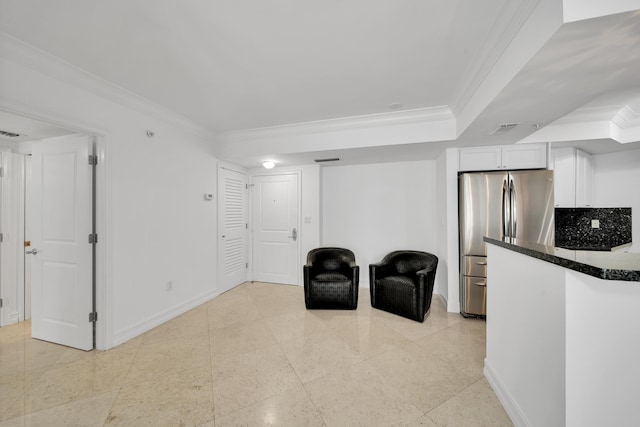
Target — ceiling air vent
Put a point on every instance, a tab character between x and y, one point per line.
332	159
502	128
9	134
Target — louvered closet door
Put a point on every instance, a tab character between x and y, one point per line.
232	218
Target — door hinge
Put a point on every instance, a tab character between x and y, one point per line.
246	225
1	172
93	159
1	237
93	238
93	317
1	302
246	265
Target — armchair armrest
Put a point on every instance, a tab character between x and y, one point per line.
381	269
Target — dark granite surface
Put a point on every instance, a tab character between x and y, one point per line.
603	265
573	228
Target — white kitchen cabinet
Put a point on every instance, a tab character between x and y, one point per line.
584	179
499	157
573	178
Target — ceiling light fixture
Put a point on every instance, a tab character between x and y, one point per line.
268	164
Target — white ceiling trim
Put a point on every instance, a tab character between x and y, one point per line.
407	117
627	117
572	131
376	130
43	62
499	40
625	135
585	130
591	114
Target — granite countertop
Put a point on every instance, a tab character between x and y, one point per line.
603	265
594	247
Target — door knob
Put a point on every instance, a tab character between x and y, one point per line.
33	251
294	234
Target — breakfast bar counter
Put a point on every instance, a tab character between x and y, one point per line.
604	265
563	334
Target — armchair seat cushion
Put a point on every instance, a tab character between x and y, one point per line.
331	277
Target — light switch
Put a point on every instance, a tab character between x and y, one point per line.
595	223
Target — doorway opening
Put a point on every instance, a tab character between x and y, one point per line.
47	215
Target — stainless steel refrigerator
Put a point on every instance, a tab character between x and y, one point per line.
499	204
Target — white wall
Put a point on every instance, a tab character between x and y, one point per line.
447	228
157	227
12	228
375	209
615	185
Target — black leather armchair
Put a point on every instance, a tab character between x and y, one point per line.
331	279
402	283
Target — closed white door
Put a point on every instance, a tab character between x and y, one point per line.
232	212
275	228
61	255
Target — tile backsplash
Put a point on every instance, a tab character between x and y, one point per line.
574	230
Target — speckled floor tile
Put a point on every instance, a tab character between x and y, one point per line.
458	347
236	340
290	408
424	379
295	326
319	354
87	412
360	397
183	399
248	378
475	406
165	358
256	356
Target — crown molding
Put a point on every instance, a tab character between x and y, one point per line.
43	62
499	38
590	114
627	117
396	118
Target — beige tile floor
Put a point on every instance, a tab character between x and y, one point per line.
256	356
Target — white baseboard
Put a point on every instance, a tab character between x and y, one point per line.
156	320
511	407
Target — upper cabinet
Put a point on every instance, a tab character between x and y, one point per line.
498	157
572	177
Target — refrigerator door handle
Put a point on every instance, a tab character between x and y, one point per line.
513	208
506	219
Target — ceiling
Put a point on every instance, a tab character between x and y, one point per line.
233	65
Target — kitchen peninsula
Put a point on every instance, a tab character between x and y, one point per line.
563	334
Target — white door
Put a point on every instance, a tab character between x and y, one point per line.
275	228
3	291
61	255
232	208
